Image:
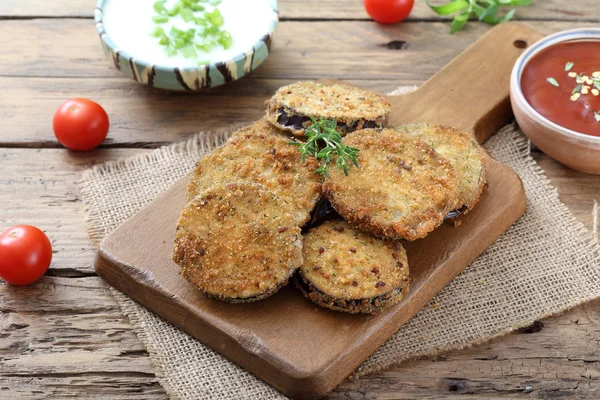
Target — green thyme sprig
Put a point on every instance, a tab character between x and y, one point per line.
325	144
485	10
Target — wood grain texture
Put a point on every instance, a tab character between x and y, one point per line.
154	111
68	336
481	108
557	358
430	48
71	48
313	9
39	187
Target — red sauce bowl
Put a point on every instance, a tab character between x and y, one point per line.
577	150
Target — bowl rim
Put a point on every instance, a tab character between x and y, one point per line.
107	39
533	50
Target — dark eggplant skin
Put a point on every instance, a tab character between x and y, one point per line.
455	213
324	211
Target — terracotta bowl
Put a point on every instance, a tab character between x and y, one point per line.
194	79
573	149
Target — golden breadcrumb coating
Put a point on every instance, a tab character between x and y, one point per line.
402	189
236	242
354	108
349	270
463	152
258	153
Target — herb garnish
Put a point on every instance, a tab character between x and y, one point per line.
206	33
568	66
325	144
596	115
552	81
485	10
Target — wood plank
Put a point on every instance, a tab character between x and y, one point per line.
39	188
313	9
139	116
558	358
65	337
46	328
71	48
144	117
578	190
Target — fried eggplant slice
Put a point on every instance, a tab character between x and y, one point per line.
402	188
463	152
292	106
259	153
235	242
348	270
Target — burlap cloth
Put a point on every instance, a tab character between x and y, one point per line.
544	264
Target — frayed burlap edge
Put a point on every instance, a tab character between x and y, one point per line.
204	141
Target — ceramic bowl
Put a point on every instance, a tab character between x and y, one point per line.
189	78
573	149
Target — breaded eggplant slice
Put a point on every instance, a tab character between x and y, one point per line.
259	153
292	106
463	152
348	270
236	243
402	188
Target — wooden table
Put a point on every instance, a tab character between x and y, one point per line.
65	335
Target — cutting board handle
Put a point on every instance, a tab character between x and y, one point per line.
472	92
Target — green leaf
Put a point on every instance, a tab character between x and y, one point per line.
507	17
214	17
160	8
189	51
489	15
552	81
170	51
459	22
449	8
577	89
520	2
597	116
568	66
187	14
225	40
160	19
485	10
157	32
597	85
175	10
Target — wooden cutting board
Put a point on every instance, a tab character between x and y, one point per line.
300	348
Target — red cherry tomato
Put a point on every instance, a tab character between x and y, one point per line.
389	11
80	124
25	254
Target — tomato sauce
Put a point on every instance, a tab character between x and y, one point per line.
553	84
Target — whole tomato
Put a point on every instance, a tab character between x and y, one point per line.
25	254
389	11
80	124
